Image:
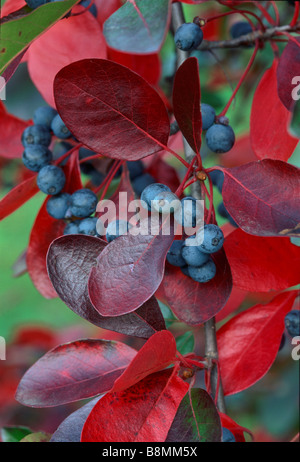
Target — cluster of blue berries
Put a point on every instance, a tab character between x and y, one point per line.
220	136
51	178
36	3
292	323
138	177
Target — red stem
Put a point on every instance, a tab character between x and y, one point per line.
296	14
180	189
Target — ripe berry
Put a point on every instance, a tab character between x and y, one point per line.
188	36
192	255
72	228
36	134
151	191
59	128
240	28
203	273
190	213
185	270
174	128
292	323
83	203
58	205
220	138
136	169
213	239
51	180
93	8
227	436
44	116
208	116
36	157
166	202
174	256
217	178
116	229
88	226
141	182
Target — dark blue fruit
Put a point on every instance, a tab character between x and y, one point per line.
292	323
83	203
217	178
174	256
190	212
93	8
72	228
185	270
116	229
60	149
51	180
213	239
35	3
192	255
44	116
57	206
174	128
151	191
136	168
240	28
203	273
36	134
88	226
188	36
59	128
225	214
227	436
166	202
96	177
36	157
208	116
141	182
220	138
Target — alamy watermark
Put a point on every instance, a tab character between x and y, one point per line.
296	349
2	349
2	88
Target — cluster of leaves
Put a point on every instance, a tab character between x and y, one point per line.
102	83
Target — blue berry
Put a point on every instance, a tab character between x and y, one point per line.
36	157
174	256
292	323
51	180
72	228
116	229
93	8
227	436
166	202
174	128
35	3
57	206
151	191
213	239
44	116
88	226
188	36
192	255
36	134
83	203
208	116
217	178
220	138
59	128
185	270
96	177
240	28
141	182
136	169
203	273
190	212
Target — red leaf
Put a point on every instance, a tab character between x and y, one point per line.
164	173
142	413
74	371
106	9
269	121
121	116
186	102
129	271
10	6
194	303
69	262
69	40
235	300
262	264
18	196
235	428
147	66
11	129
157	354
288	68
248	344
263	197
45	230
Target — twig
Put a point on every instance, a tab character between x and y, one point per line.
248	39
